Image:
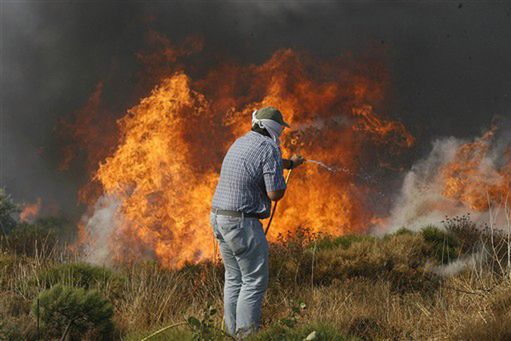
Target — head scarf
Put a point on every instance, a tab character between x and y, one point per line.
274	128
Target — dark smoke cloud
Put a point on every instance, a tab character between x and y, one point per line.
450	64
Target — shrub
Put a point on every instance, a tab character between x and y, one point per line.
444	245
74	311
466	231
328	242
289	256
403	230
399	259
493	242
82	275
7	209
42	238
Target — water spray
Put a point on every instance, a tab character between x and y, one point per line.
328	168
321	164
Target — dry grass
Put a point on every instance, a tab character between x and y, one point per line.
354	287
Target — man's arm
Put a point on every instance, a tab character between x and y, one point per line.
276	195
295	161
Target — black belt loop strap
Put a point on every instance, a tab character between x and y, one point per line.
236	214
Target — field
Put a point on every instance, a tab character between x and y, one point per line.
448	282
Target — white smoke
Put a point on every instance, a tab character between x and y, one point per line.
421	202
455	267
100	226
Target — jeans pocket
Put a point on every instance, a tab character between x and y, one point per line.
234	233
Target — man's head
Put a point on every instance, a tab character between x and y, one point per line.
271	113
271	119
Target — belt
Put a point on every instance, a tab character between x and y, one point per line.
236	213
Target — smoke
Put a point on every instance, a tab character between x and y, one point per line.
421	201
455	267
99	228
481	176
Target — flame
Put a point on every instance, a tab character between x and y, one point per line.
165	165
30	211
474	178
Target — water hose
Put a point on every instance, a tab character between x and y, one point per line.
275	206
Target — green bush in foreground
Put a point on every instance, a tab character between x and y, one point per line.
82	275
75	312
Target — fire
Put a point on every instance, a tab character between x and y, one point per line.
30	211
165	165
474	178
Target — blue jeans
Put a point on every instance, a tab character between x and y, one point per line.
244	251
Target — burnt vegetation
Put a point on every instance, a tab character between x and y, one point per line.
355	287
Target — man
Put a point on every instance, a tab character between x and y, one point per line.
251	176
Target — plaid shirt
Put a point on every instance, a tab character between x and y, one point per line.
251	167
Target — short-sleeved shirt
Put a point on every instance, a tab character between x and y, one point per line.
251	168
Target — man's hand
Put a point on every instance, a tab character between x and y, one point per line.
297	160
293	162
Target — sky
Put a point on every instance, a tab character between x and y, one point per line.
449	64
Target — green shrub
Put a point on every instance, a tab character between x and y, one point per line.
43	238
399	259
344	242
403	230
7	209
76	311
444	245
82	275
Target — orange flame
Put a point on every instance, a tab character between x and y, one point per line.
474	179
30	212
166	163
